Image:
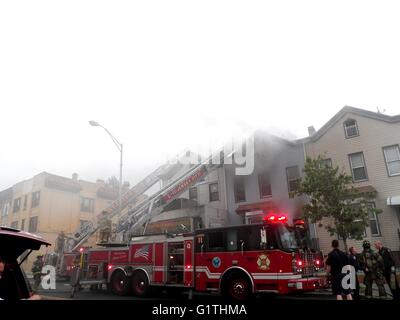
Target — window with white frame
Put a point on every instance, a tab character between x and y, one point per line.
326	163
350	128
392	158
293	178
373	220
358	168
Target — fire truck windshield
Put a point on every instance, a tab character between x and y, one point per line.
287	237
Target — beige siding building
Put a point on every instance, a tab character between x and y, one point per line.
366	145
48	204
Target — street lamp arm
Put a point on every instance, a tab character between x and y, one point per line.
116	142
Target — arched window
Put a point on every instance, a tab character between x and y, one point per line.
350	128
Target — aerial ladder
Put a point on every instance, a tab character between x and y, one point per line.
141	214
84	232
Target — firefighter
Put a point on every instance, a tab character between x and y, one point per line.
60	243
37	272
389	269
105	227
372	264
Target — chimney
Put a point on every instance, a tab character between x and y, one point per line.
311	130
75	176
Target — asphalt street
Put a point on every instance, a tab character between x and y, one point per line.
63	290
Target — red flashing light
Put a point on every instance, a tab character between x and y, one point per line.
81	250
317	262
109	267
276	218
299	263
299	222
188	266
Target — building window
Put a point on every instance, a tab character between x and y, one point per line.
35	199
373	221
14	224
358	169
87	204
350	128
33	224
264	185
4	211
326	163
214	194
240	194
23	224
392	158
293	178
193	193
25	202
17	205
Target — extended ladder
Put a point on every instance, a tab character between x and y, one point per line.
88	229
154	205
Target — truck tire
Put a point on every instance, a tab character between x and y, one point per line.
119	283
237	287
140	284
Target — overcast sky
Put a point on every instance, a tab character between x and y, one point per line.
163	76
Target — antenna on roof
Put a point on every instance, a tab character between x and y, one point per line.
379	111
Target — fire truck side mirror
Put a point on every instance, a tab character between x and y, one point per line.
201	248
241	246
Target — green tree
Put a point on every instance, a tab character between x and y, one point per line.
332	195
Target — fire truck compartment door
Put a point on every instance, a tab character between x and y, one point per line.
159	266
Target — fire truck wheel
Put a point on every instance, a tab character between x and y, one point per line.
140	284
120	283
237	287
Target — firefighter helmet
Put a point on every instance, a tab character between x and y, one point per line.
366	244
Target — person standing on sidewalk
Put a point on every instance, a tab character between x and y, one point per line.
355	262
372	264
37	272
389	269
337	259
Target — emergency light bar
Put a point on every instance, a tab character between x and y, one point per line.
299	222
273	218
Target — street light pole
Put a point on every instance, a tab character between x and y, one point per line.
120	148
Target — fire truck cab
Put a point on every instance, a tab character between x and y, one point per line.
261	257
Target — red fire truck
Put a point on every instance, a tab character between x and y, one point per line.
236	261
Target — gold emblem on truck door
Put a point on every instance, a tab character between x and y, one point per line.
263	262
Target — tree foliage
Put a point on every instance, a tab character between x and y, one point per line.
332	195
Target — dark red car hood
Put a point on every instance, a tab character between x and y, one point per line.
14	242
